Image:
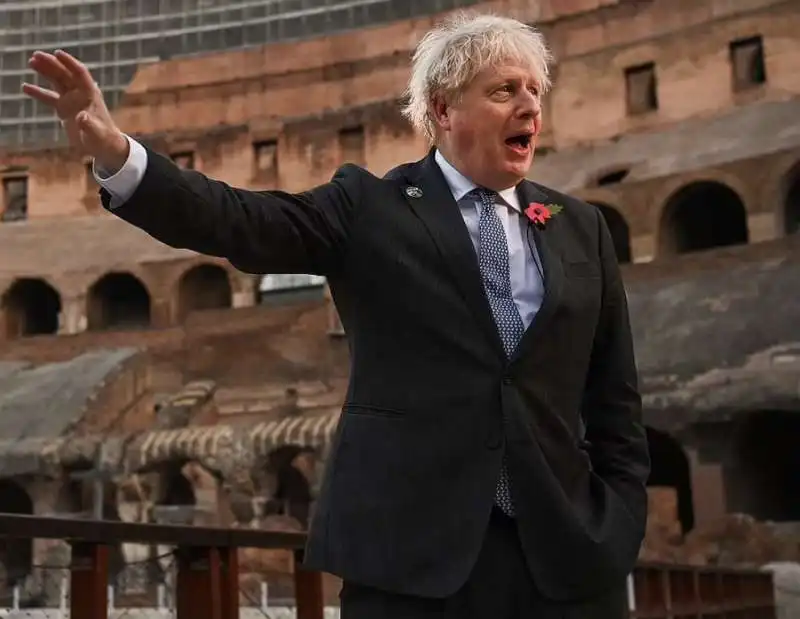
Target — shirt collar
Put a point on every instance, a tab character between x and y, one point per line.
460	185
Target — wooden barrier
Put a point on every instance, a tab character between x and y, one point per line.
667	591
207	585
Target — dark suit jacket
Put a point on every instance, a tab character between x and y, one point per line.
432	402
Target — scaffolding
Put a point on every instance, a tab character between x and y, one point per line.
114	37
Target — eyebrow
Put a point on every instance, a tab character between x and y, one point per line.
513	80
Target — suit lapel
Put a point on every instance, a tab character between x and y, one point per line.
435	206
433	203
547	242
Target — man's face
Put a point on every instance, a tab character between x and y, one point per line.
489	133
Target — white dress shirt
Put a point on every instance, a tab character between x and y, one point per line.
527	286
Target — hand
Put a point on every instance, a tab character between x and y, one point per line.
78	102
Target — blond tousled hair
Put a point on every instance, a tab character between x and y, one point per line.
449	56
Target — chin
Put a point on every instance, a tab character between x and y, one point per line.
518	170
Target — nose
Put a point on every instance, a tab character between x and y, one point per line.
530	104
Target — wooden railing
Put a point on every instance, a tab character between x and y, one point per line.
667	591
207	581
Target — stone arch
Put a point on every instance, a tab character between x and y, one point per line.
293	467
611	176
791	200
620	231
118	301
762	477
177	489
31	306
203	287
70	499
16	555
175	498
702	215
671	471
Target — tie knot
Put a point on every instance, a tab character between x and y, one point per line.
487	196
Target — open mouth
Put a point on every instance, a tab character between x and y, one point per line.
520	142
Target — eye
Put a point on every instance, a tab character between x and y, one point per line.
502	93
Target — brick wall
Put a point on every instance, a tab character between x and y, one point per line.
247	346
303	93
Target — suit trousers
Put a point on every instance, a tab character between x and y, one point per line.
499	587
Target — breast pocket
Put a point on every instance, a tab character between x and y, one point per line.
579	304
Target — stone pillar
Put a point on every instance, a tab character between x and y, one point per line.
643	248
162	313
245	290
762	227
73	316
708	488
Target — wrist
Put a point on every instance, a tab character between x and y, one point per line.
116	155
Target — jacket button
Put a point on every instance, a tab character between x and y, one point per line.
494	441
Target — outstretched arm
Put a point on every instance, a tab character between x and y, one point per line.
257	231
260	232
612	402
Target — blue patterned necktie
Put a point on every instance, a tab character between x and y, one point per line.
496	275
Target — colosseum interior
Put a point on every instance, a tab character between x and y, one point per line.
200	394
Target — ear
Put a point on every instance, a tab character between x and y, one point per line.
440	111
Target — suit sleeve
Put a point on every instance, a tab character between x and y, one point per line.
256	231
613	403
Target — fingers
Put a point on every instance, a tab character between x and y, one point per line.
62	70
89	122
78	71
45	95
51	68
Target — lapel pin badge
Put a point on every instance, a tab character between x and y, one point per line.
413	192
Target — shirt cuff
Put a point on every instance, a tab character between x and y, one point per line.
123	183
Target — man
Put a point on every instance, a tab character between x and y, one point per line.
483	336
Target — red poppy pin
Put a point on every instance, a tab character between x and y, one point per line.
539	213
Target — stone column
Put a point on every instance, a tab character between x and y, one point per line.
643	248
708	488
161	313
73	318
245	290
762	227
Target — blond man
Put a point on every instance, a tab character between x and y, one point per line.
489	462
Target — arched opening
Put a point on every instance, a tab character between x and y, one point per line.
176	502
670	471
118	301
16	555
177	489
702	215
31	307
70	500
612	177
291	465
620	232
203	287
763	476
791	205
